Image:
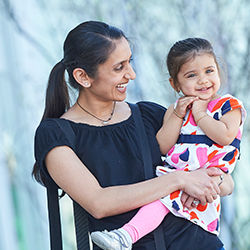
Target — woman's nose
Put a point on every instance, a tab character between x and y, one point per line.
131	75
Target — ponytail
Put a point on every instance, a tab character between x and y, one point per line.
56	103
57	95
86	46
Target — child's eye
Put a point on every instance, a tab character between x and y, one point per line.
209	70
190	75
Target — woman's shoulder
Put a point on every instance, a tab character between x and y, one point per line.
152	113
47	124
50	130
49	134
147	106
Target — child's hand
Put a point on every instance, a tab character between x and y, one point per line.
188	201
183	104
199	108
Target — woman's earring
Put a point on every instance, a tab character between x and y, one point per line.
86	84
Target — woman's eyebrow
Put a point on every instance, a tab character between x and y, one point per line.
121	62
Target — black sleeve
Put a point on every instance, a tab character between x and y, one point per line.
153	114
48	136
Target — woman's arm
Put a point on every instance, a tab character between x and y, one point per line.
77	181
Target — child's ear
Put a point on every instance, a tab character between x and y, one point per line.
173	85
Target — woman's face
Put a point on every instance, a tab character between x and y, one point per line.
113	76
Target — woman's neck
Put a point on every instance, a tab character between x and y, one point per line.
97	113
99	108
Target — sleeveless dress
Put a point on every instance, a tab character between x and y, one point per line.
195	150
112	153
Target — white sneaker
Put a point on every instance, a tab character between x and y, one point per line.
114	240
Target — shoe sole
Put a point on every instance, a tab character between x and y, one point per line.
99	242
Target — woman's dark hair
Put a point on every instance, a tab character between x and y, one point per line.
184	50
86	46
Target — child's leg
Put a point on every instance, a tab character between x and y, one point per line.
148	218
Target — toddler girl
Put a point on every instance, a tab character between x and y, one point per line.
201	130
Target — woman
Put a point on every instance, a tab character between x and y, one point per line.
104	172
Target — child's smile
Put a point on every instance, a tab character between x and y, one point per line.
199	77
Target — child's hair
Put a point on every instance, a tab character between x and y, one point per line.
184	50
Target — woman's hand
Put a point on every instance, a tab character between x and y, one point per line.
188	201
200	185
225	184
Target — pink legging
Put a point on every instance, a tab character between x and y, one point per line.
148	218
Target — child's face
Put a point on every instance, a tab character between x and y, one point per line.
199	77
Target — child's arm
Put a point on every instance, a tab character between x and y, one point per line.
169	132
222	131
